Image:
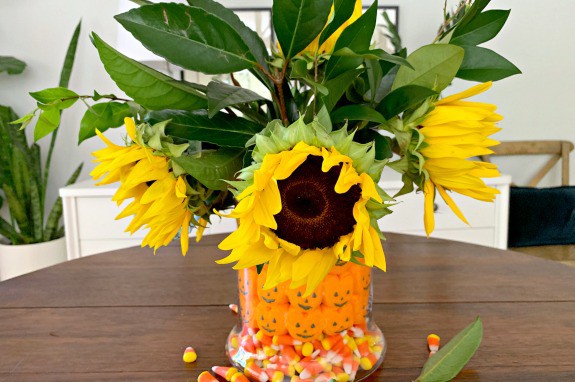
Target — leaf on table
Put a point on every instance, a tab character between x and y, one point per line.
444	365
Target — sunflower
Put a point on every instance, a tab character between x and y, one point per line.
329	44
309	201
160	200
454	131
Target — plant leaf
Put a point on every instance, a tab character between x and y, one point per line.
149	88
250	37
449	360
472	12
435	67
62	97
102	116
48	121
357	38
356	113
402	99
222	129
298	22
11	65
70	56
382	145
342	11
373	54
51	229
482	29
189	37
481	64
222	95
337	87
213	167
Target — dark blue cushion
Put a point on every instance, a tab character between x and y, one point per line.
541	216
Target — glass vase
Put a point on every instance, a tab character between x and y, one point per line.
329	335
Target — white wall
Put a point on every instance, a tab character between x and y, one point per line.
537	38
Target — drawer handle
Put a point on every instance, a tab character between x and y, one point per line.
435	207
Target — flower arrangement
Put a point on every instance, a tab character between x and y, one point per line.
298	167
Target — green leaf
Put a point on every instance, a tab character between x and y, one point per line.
342	11
482	65
402	99
222	129
373	54
189	37
70	57
357	38
48	121
222	95
11	65
102	116
337	88
482	29
356	113
472	12
149	88
444	365
250	37
62	97
382	145
51	230
213	167
435	67
298	22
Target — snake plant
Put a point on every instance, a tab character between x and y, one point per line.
23	179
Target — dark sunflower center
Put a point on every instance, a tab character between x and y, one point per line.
313	215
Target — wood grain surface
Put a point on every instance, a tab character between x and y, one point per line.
128	315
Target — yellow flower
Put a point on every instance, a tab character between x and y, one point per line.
160	200
329	44
305	211
453	132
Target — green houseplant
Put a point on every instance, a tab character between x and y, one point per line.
23	180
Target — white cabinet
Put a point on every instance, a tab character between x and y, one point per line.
487	221
89	218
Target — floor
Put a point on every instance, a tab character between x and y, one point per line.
564	254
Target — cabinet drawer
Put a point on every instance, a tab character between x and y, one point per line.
408	213
97	220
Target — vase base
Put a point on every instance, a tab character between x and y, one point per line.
351	355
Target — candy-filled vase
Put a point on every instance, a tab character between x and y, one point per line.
326	335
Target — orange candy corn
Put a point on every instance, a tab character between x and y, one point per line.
234	308
433	343
190	355
206	377
225	372
255	372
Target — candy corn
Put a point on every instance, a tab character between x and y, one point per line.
234	308
225	372
206	377
190	355
433	343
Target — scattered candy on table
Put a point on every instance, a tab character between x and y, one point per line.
433	343
234	308
190	355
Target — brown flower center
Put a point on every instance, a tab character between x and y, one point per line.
313	215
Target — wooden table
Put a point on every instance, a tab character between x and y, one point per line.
128	315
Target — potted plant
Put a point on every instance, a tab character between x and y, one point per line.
31	239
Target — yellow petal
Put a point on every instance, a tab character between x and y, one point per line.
184	237
451	203
130	128
428	217
477	89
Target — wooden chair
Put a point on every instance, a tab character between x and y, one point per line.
558	150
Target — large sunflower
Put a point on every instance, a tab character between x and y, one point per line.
160	200
454	131
309	201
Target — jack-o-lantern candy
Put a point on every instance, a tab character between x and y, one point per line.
247	281
298	299
362	279
305	326
337	319
360	303
275	295
337	290
248	307
271	318
339	269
